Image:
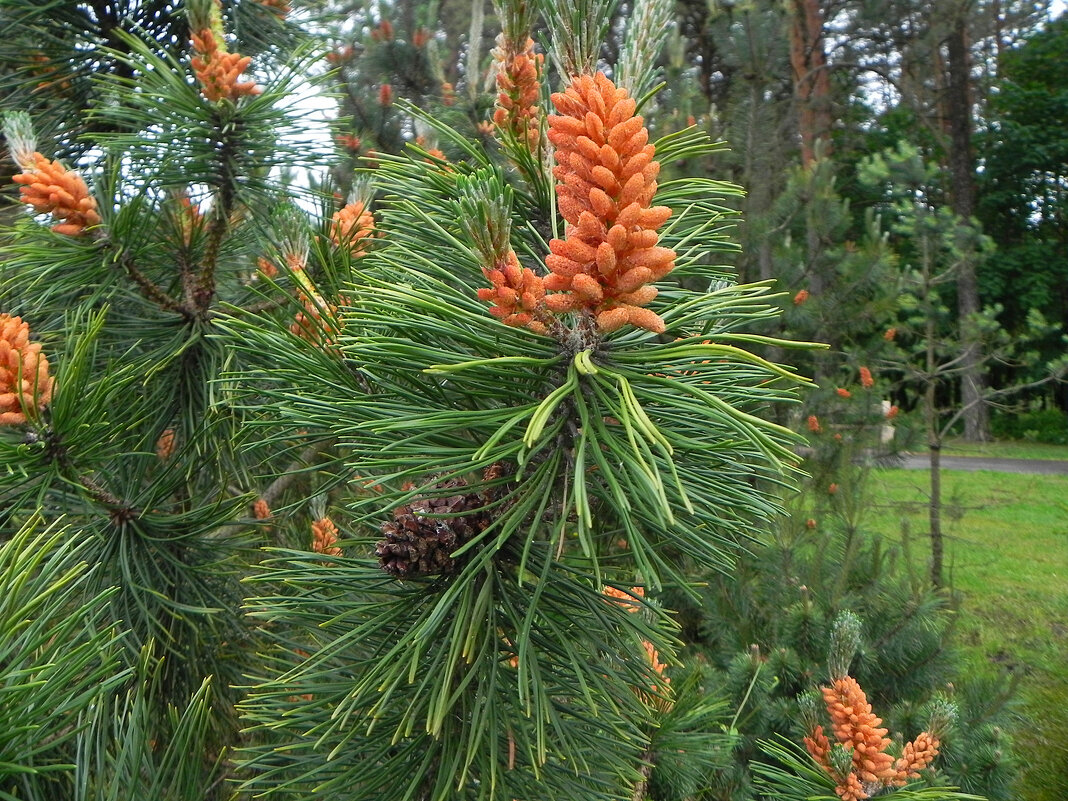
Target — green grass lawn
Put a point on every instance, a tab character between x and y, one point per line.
1007	557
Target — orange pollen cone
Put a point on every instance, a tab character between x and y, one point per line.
165	445
519	90
25	386
50	188
517	294
317	323
915	756
324	537
819	747
219	71
351	227
624	599
281	7
857	727
606	177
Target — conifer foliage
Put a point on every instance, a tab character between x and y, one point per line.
113	416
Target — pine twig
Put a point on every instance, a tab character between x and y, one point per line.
204	290
148	288
261	307
118	510
280	484
641	788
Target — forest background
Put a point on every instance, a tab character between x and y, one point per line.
904	173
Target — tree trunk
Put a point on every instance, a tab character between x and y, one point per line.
935	516
932	425
812	86
812	94
406	17
703	49
474	47
934	447
758	199
958	107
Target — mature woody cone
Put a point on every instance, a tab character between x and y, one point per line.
423	534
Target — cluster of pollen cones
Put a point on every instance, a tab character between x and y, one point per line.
324	537
860	732
317	322
218	71
519	90
351	227
50	188
25	386
609	256
607	179
281	7
517	295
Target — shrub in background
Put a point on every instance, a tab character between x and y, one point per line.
1042	425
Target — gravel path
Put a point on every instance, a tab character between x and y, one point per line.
912	461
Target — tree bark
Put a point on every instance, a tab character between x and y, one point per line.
957	108
759	197
812	86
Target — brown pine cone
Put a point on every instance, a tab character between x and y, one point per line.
423	534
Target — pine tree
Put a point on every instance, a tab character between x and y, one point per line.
523	468
117	419
523	422
935	244
441	399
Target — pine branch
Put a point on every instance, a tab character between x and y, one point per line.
261	307
187	272
118	510
149	289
